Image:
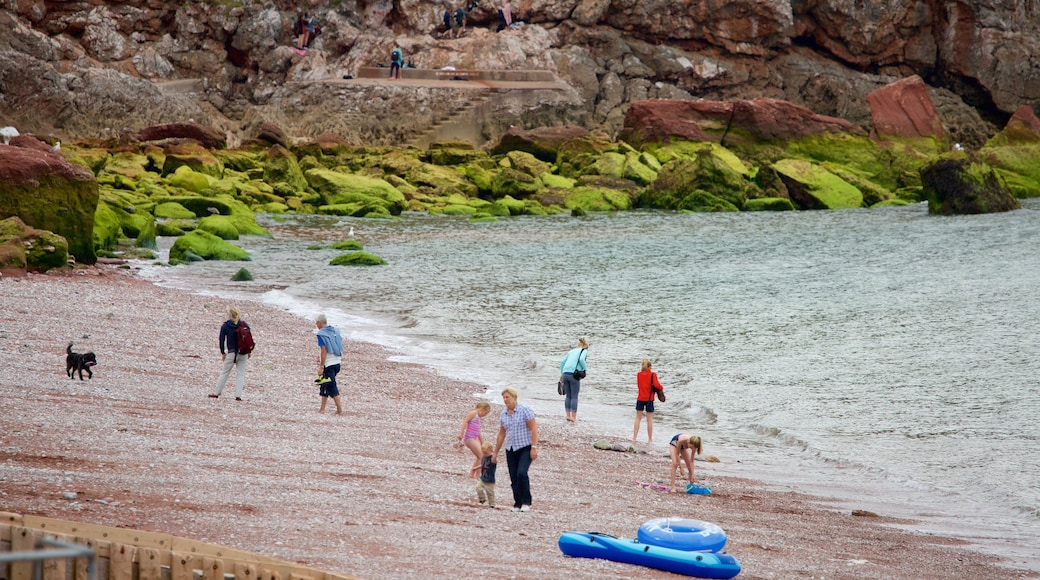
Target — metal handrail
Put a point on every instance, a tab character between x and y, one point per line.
64	550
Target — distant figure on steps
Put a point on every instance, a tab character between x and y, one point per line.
396	60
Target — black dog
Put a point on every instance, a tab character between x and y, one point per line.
79	362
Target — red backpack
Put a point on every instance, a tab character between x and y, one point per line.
244	338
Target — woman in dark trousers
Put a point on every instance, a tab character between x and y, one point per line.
572	370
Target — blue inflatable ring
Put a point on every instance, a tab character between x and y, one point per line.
682	534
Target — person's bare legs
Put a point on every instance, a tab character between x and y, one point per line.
473	445
338	401
649	427
324	400
635	431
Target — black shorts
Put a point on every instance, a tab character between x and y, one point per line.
647	406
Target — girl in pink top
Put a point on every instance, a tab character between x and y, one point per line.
470	434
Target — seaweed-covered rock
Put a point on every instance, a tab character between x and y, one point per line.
24	248
345	245
514	183
193	156
172	210
1015	153
220	226
955	185
543	142
769	204
813	187
708	171
597	199
524	162
357	259
281	166
207	137
49	193
206	246
347	188
188	179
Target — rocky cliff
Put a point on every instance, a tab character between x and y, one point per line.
97	69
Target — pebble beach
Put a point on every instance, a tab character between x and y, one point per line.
378	492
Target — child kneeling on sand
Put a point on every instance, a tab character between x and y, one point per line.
486	483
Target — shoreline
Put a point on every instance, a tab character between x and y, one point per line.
377	493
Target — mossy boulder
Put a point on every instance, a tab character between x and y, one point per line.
346	188
611	164
193	156
524	162
1015	153
512	205
219	225
813	187
514	183
637	171
956	185
458	154
206	246
699	200
482	218
242	275
49	193
347	245
23	247
553	180
172	210
711	169
107	227
128	164
243	160
168	229
456	209
769	204
407	166
190	180
281	166
357	259
597	199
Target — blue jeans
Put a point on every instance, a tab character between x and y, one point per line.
571	386
519	461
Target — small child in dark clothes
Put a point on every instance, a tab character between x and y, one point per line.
486	483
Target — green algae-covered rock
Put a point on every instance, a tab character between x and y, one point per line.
281	167
219	225
483	218
128	164
457	209
457	155
172	210
769	204
23	247
199	205
596	199
956	185
524	162
168	229
242	275
243	160
345	245
702	201
49	193
206	246
193	156
635	170
107	228
553	180
812	187
188	179
711	169
1015	153
514	183
346	188
610	164
512	205
872	192
479	175
272	207
575	155
441	179
357	259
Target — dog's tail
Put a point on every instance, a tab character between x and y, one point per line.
69	348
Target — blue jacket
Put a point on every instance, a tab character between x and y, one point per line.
329	337
228	337
574	361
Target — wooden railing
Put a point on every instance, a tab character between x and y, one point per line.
124	554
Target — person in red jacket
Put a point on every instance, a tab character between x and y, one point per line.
646	380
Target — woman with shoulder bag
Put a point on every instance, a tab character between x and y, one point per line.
572	370
648	385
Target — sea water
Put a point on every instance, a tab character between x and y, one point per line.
885	358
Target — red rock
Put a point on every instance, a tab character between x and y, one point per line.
764	119
904	109
543	142
208	137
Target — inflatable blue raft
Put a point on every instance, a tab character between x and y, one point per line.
605	547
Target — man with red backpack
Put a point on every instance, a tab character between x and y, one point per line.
236	344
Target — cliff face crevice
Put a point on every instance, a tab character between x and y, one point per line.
96	68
